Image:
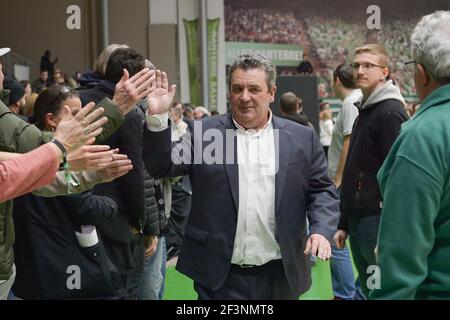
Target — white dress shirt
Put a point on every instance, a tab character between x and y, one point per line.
255	242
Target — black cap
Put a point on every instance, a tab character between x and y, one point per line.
17	91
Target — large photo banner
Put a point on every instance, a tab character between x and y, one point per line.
327	31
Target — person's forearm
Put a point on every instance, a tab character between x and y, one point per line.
82	181
8	155
29	171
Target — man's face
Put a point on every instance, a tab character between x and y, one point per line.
369	75
59	80
250	97
44	75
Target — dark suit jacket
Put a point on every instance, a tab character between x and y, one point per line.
301	182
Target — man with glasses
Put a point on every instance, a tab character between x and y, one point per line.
381	113
413	244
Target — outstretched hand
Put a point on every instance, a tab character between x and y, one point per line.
81	129
119	167
161	96
130	91
90	157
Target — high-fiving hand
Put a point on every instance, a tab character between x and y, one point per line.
130	91
161	96
81	129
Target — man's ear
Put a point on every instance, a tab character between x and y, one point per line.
386	73
272	93
337	84
424	77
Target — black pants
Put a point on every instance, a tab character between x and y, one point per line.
266	282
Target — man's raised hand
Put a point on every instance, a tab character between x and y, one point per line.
161	95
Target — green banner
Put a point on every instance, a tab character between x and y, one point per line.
193	56
213	56
287	55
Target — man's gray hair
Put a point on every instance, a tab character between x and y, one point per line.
252	60
431	45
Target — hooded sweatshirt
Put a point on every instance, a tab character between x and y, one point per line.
374	132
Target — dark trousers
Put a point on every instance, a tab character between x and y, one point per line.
132	283
266	282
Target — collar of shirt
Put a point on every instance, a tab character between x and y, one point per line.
254	132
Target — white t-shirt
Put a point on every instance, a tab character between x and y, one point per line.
326	132
342	127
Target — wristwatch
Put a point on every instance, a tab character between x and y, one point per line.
63	164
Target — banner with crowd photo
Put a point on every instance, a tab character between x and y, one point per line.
192	28
193	56
329	31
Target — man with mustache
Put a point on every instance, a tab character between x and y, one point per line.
381	113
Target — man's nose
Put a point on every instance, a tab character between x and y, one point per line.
245	95
360	69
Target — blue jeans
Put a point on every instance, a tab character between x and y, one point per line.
363	240
152	287
342	278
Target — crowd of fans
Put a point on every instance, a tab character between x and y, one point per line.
262	25
149	207
332	40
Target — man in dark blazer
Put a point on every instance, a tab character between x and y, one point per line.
254	178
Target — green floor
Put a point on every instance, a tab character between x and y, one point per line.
179	287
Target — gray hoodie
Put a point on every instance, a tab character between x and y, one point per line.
385	92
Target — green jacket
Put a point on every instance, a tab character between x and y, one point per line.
17	135
414	235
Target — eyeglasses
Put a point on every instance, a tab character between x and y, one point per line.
365	66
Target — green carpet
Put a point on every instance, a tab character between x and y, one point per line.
179	287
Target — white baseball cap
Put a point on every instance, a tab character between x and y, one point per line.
4	51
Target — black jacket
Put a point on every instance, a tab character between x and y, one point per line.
300	118
124	247
46	244
373	134
89	80
154	199
151	224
